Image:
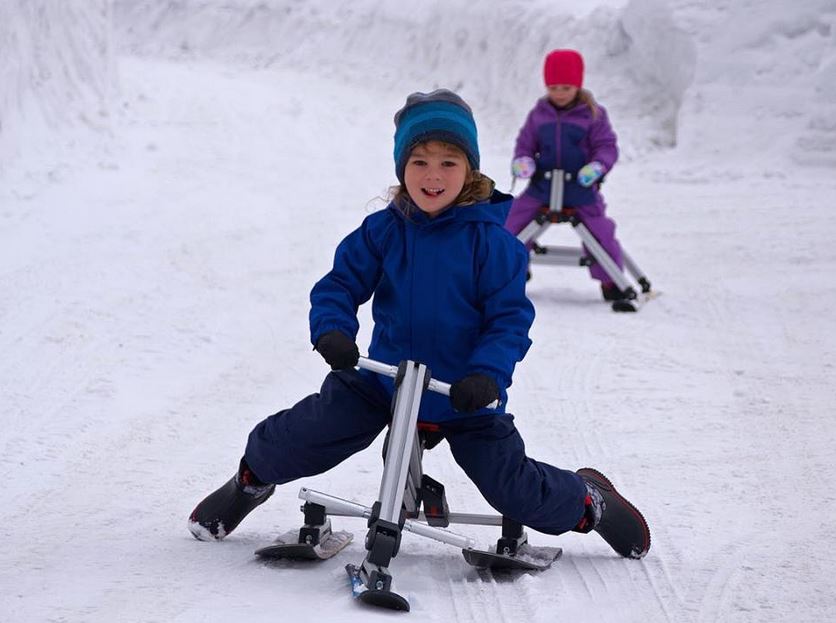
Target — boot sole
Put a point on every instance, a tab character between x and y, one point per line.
603	483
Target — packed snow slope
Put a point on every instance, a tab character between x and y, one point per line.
155	266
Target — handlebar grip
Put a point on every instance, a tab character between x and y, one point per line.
391	371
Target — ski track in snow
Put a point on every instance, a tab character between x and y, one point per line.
154	309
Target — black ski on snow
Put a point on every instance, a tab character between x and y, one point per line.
373	596
527	559
287	546
632	305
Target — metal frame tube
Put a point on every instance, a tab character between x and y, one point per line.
377	366
439	534
339	507
401	438
334	505
532	231
556	260
602	257
631	266
563	256
439	387
385	369
472	519
575	252
556	195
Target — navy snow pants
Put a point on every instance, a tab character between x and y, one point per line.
349	412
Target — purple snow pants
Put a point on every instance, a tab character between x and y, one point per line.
525	208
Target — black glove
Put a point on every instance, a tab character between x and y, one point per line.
338	350
473	392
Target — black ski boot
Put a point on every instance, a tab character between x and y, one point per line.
611	292
617	521
221	512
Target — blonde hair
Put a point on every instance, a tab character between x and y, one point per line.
477	186
585	97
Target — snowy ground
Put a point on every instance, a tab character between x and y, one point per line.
153	307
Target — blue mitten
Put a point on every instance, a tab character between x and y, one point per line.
523	167
590	173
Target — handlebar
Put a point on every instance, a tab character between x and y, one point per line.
392	371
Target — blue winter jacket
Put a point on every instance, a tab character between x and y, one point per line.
449	292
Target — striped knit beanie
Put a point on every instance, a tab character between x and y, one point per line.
438	116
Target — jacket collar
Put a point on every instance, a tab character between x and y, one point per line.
494	209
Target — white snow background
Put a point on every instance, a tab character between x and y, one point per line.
174	176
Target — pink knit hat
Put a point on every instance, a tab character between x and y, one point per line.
563	67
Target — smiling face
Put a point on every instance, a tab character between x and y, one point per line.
435	175
561	94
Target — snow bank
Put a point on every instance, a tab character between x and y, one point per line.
673	74
56	70
764	86
490	52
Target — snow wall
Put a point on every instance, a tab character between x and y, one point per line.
639	63
57	72
662	67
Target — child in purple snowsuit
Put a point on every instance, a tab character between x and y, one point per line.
568	130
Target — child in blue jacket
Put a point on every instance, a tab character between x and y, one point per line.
449	291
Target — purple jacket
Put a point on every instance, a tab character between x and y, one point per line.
566	139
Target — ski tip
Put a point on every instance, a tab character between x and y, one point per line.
626	305
373	597
384	599
633	305
287	546
527	559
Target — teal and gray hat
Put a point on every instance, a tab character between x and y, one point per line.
438	116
